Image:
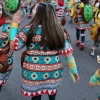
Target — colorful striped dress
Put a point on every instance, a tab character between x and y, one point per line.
4	46
42	70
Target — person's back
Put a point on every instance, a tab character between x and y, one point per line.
44	39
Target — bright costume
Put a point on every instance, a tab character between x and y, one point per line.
23	9
72	8
4	46
42	70
95	31
95	80
60	12
80	25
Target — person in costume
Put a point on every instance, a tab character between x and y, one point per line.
5	18
60	11
23	8
95	31
72	7
95	80
80	25
95	7
44	39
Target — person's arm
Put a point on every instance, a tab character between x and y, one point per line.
95	79
17	39
67	51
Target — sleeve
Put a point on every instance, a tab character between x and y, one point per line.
95	79
20	39
68	48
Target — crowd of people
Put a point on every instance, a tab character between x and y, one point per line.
45	39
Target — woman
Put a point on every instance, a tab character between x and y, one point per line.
4	42
80	25
44	39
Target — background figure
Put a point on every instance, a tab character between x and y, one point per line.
80	25
23	8
95	29
5	19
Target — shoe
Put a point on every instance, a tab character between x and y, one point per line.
98	58
70	22
81	47
67	13
29	16
77	43
92	53
0	87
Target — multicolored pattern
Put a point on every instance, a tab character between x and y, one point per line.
42	70
95	79
4	46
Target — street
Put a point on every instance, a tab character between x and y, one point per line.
87	65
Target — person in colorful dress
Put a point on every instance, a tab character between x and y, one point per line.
80	25
4	43
95	80
95	31
44	39
60	12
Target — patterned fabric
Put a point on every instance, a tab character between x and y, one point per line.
82	26
4	45
95	79
42	70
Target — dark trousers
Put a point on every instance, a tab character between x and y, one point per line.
82	35
51	97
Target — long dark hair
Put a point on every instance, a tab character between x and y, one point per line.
5	13
52	33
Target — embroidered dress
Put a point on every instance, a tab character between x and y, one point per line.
42	69
4	46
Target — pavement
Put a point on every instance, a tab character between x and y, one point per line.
86	64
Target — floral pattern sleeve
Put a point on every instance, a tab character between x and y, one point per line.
21	38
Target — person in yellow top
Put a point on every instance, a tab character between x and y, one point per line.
95	7
72	7
95	31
